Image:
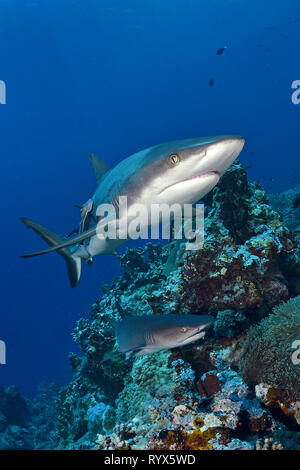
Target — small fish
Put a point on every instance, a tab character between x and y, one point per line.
211	82
148	334
270	28
221	50
271	179
296	20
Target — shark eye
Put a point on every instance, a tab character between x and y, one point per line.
183	329
173	159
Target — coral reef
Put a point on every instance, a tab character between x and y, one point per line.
194	397
268	444
162	408
43	419
267	355
14	413
287	204
28	424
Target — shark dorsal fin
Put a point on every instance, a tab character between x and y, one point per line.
98	166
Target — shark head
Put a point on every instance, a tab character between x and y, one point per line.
147	334
178	330
184	171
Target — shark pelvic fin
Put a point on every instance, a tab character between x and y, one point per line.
57	242
98	166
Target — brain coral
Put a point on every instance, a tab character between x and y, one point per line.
268	350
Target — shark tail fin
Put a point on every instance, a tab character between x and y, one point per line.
73	261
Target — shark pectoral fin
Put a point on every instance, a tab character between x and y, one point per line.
128	353
108	358
98	166
64	243
58	243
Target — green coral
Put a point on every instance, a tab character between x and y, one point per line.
157	384
149	374
267	352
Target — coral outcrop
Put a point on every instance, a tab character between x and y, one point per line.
26	424
234	389
193	397
161	407
287	204
271	352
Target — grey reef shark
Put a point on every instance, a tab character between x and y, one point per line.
178	172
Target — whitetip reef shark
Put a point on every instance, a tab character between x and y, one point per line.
179	172
148	334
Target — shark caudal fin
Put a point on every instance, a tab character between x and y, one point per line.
53	239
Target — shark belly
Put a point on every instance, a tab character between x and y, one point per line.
149	350
98	246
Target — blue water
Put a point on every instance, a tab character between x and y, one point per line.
112	77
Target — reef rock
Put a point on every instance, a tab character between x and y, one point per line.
192	397
26	424
271	352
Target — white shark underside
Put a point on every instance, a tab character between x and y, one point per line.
178	172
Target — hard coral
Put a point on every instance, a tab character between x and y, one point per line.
192	397
245	262
268	350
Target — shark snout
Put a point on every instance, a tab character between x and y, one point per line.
223	152
205	323
234	145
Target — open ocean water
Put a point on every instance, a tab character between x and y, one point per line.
113	77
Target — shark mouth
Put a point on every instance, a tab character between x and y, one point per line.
195	334
201	329
194	337
193	178
203	175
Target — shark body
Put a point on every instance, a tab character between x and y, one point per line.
148	334
178	172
